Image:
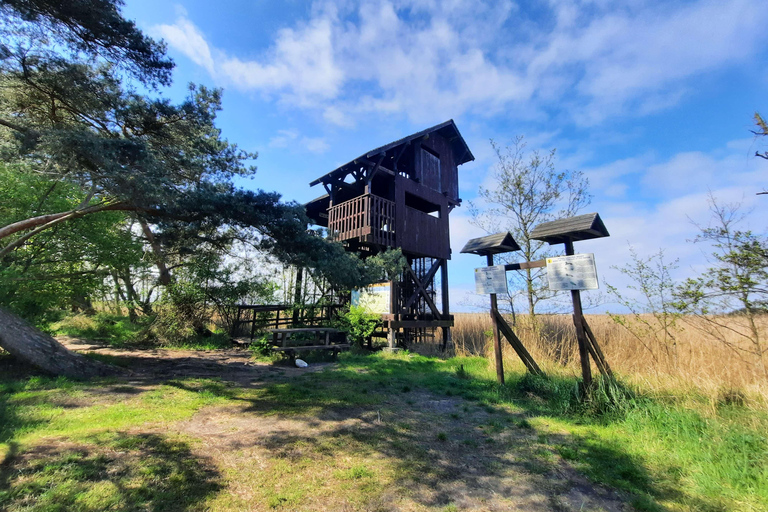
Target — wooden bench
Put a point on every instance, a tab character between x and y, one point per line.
320	340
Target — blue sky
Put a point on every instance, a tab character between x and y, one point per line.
651	100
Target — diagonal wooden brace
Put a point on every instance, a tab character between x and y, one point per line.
517	345
595	351
421	289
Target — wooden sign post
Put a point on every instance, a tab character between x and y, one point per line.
496	337
578	322
492	280
576	273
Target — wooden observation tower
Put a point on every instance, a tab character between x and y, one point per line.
400	196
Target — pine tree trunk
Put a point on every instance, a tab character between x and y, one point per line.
39	349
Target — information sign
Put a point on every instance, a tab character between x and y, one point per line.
577	272
491	280
374	299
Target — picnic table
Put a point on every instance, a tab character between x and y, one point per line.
310	338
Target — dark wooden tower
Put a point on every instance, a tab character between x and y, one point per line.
400	196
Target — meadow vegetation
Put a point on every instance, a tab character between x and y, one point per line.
694	361
376	432
112	257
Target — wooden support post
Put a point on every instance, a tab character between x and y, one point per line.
236	324
392	338
297	296
395	312
253	325
578	321
496	336
446	306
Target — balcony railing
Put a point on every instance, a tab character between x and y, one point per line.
369	218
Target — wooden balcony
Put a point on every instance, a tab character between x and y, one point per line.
368	218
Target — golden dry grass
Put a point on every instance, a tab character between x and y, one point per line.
694	359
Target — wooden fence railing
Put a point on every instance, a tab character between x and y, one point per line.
251	319
368	217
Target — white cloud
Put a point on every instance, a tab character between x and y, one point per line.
433	60
315	145
293	139
185	37
335	116
609	180
652	203
301	64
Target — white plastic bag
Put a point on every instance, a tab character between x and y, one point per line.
301	364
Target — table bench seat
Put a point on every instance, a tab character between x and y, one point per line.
282	341
338	346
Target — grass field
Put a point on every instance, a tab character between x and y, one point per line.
691	361
374	432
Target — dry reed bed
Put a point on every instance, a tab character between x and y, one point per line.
694	359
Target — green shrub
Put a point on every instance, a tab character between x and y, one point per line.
359	324
261	346
113	329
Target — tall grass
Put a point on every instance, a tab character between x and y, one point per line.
695	360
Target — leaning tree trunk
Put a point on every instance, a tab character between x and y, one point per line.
39	349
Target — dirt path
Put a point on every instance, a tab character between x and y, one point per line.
151	366
415	451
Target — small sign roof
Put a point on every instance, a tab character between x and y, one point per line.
491	244
580	227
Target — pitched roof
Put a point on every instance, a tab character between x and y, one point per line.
448	129
580	227
491	244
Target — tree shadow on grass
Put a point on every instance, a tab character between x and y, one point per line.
456	443
109	472
15	377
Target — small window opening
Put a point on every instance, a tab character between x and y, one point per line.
422	205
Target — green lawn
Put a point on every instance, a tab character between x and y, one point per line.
365	426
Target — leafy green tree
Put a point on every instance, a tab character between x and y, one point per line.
92	28
65	266
71	113
67	113
731	295
527	190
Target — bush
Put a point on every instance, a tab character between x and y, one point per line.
114	329
261	346
359	324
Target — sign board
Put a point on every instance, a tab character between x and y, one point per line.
374	299
491	280
577	272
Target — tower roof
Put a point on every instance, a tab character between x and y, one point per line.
448	129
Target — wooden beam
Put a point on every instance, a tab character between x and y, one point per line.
417	324
596	352
517	345
421	290
525	265
445	300
497	352
399	154
581	336
358	174
373	170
